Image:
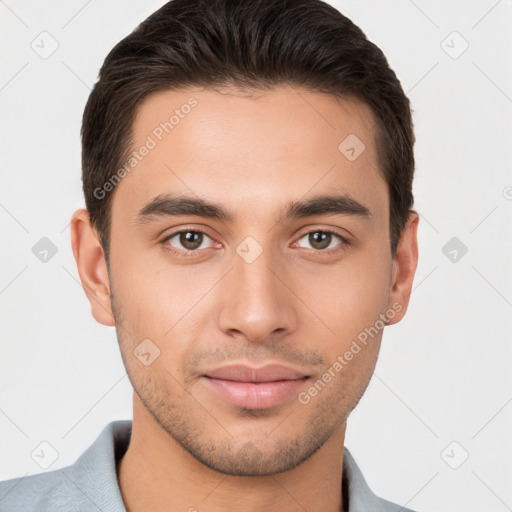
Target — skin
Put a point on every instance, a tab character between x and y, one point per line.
294	304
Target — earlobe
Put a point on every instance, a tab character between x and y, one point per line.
404	268
91	265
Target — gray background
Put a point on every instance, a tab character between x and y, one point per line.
442	388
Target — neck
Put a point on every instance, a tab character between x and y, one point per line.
157	474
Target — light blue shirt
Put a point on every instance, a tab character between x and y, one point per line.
90	484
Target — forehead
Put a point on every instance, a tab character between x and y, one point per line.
250	149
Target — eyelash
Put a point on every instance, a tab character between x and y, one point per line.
189	253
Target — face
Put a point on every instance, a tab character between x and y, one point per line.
251	272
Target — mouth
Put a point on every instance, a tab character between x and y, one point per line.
255	388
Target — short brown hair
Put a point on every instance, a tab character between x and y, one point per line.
249	44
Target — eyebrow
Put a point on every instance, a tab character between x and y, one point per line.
167	205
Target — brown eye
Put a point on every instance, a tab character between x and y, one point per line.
187	240
191	240
321	240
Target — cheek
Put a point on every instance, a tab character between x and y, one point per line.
163	303
152	293
349	297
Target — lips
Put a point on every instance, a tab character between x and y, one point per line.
254	388
242	373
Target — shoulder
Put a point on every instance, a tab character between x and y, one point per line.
359	495
88	484
36	492
388	506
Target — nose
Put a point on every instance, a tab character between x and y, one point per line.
257	303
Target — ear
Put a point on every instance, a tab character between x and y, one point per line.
92	267
404	268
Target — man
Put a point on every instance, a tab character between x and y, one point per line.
247	171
